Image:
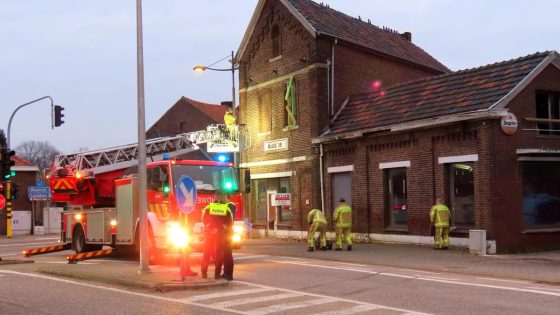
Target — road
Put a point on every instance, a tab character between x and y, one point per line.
284	285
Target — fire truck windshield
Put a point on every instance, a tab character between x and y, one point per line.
208	178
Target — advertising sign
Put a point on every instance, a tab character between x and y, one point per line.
281	200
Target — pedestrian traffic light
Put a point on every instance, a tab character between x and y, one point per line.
6	163
58	115
15	191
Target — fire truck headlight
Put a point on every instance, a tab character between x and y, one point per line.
177	235
236	238
78	217
113	222
238	229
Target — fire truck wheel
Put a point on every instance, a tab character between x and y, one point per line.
79	240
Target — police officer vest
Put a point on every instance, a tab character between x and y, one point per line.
220	209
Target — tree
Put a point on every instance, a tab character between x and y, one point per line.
39	153
3	141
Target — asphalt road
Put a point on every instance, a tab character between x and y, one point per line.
282	285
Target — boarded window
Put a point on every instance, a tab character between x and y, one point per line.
275	41
290	103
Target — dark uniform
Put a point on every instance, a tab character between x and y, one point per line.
218	220
228	254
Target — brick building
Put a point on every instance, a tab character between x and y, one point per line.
299	61
484	139
26	175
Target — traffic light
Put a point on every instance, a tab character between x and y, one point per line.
58	115
15	191
6	164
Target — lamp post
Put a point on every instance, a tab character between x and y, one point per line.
232	69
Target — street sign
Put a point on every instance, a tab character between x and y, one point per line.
40	183
38	193
2	201
185	194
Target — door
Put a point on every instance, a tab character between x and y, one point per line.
462	195
342	188
271	215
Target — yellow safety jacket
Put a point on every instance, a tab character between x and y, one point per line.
316	215
229	119
439	215
343	216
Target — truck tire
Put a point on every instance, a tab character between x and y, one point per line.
79	242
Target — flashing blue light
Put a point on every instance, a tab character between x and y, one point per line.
166	157
222	158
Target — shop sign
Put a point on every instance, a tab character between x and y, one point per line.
276	145
509	124
281	200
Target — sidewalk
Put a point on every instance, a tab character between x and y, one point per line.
542	267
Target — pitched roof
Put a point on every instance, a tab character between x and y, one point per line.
19	161
214	111
320	19
471	90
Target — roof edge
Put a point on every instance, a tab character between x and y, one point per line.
504	101
255	18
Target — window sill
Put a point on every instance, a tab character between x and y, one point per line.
396	230
288	128
541	230
275	58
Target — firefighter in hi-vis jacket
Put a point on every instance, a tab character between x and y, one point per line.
343	219
317	223
218	221
439	217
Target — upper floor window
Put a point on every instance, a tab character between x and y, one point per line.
548	112
290	104
275	36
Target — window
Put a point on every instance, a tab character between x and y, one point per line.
275	36
265	117
461	181
548	108
260	200
182	126
262	189
541	194
396	211
290	104
285	212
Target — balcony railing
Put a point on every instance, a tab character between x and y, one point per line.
544	126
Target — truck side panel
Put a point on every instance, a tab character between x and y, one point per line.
127	209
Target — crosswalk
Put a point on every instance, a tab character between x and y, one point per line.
254	299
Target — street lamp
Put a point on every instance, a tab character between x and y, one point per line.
232	69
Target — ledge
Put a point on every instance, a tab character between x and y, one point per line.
541	230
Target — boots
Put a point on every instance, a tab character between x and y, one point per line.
349	247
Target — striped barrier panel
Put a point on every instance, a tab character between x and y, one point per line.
72	259
45	250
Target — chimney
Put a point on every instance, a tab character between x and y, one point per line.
407	36
227	103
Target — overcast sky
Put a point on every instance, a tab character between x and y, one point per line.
83	54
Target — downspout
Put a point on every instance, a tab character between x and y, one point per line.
332	74
321	177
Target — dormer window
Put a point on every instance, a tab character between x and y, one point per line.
275	36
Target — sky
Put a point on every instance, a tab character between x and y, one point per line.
83	54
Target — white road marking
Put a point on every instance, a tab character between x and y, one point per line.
421	278
65	262
289	306
156	297
257	299
349	264
248	257
541	288
47	238
437	278
9	254
349	311
420	271
224	294
336	299
504	280
25	244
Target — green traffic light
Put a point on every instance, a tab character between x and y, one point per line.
13	173
228	185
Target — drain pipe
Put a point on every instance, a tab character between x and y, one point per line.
321	177
332	75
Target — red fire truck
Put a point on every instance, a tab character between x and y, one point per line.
100	191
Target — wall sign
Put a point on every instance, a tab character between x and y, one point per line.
276	145
281	200
509	124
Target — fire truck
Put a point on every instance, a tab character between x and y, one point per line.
100	192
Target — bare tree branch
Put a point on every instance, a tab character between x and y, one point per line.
39	153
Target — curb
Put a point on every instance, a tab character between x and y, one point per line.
14	261
139	284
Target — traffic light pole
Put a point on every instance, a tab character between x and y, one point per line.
20	106
9	209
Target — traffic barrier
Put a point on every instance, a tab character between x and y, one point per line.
72	259
45	250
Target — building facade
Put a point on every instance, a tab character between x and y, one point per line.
485	139
298	62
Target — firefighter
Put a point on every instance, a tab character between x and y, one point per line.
439	217
228	250
317	223
217	219
229	121
343	220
